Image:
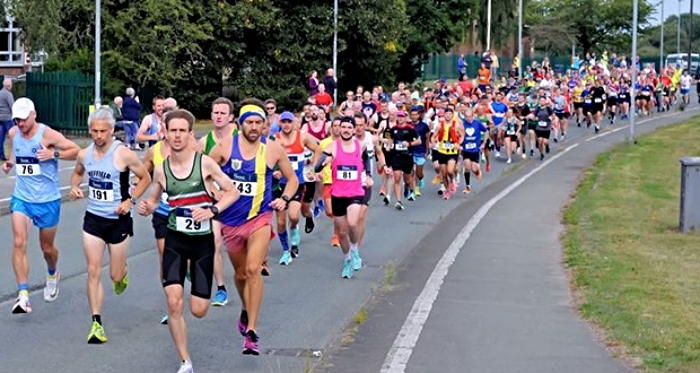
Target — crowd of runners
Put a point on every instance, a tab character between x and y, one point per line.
260	175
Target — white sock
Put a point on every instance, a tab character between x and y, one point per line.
353	247
347	257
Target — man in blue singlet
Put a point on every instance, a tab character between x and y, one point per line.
150	129
35	151
107	221
498	112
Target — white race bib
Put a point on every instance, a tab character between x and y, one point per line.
294	159
598	100
101	191
347	173
470	145
400	146
246	188
185	223
448	145
27	166
542	123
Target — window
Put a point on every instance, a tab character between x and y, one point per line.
11	48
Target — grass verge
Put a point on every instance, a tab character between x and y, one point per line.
638	277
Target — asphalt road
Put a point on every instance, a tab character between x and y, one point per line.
307	305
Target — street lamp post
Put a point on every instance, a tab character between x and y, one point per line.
690	39
335	50
633	94
98	42
488	25
661	47
678	33
520	38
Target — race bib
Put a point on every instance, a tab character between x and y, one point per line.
448	145
588	101
164	197
510	132
543	123
598	100
185	223
347	173
400	146
294	160
101	191
247	185
27	166
470	145
308	170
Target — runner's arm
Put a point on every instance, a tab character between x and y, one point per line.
67	150
76	178
134	164
214	173
146	124
312	144
148	205
288	172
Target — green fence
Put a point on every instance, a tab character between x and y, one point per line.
62	99
445	65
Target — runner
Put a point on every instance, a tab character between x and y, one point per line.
471	145
150	128
107	221
327	179
247	225
511	127
448	136
224	128
348	159
403	138
373	149
686	82
294	142
35	151
420	152
544	116
184	176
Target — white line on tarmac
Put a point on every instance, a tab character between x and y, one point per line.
400	352
638	123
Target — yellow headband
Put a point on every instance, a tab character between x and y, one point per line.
250	110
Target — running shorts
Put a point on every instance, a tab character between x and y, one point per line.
111	231
199	251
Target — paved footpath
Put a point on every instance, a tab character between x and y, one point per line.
308	306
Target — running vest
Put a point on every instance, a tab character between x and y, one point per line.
185	194
447	138
346	169
295	152
210	141
472	136
368	142
37	181
163	207
253	179
544	122
498	110
107	186
319	135
153	130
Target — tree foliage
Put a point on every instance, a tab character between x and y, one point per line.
594	25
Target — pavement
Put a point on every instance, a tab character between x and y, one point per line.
501	303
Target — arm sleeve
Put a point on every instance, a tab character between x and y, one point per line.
367	163
320	161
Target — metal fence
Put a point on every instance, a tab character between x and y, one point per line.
445	65
62	99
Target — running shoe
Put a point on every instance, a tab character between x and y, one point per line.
310	224
356	260
321	205
294	237
541	157
347	269
185	367
483	157
448	194
524	156
317	211
436	179
411	196
97	334
509	161
467	189
532	152
405	191
453	187
441	191
286	258
416	191
382	191
488	166
242	324
421	184
479	175
387	200
294	250
119	287
398	206
250	346
51	289
547	149
498	154
22	305
220	299
164	320
597	129
335	241
265	271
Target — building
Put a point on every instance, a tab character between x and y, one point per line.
14	59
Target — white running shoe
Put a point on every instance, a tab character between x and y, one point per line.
186	367
22	305
51	289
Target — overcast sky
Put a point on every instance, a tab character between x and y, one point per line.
671	8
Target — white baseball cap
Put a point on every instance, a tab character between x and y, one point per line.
22	108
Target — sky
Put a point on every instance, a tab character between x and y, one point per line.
671	8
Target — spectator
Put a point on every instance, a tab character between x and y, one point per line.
313	83
6	122
494	65
461	67
330	83
324	100
116	107
131	112
486	60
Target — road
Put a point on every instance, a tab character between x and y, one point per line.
307	305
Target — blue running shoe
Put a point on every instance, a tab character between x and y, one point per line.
356	260
164	320
421	184
220	299
317	211
347	269
286	258
294	237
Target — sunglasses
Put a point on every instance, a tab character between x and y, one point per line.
270	108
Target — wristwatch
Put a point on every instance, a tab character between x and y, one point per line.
56	154
133	201
285	199
214	210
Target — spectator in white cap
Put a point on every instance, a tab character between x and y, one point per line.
35	151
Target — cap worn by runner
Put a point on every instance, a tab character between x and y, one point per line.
22	108
286	116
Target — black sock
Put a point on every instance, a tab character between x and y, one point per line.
467	176
221	287
97	318
244	316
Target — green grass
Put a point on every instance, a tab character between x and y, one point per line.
639	278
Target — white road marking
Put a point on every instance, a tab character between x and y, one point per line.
400	352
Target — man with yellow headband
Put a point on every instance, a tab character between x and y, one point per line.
247	225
